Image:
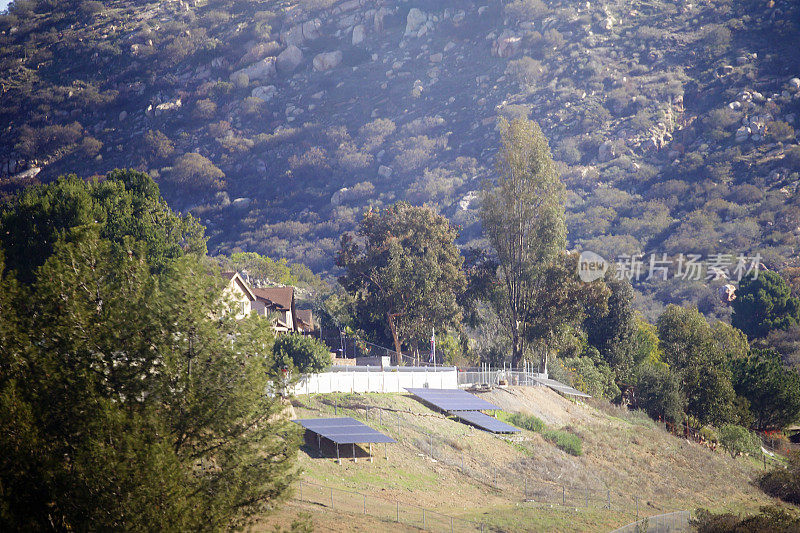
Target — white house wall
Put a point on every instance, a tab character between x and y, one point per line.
381	381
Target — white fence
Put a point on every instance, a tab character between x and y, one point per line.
375	379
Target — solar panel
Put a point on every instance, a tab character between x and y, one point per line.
453	400
561	387
476	418
344	430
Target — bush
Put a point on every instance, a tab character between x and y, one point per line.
525	71
305	354
524	10
737	440
780	131
566	441
529	422
769	519
784	483
158	145
792	156
197	172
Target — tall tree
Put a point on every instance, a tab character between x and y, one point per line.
126	205
404	272
562	303
764	304
132	407
523	218
772	390
699	355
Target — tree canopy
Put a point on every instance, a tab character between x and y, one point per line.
125	206
404	272
763	304
129	400
523	218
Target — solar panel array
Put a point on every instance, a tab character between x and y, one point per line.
343	430
561	387
465	406
453	400
486	422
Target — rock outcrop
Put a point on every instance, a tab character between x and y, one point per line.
327	60
289	59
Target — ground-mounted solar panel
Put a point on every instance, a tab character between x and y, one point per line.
478	419
453	400
561	387
343	430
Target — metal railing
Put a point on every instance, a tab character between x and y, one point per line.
383	509
663	523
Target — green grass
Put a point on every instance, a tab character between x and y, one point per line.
566	441
529	422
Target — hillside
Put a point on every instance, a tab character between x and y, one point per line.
625	456
278	122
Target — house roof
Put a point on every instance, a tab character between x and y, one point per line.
279	296
230	276
306	317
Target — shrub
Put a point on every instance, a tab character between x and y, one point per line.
91	146
525	71
300	352
564	440
197	172
158	145
769	519
204	109
780	131
792	156
529	422
737	440
524	10
784	483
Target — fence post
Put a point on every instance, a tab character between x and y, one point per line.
398	510
365	504
563	495
608	495
423	518
526	489
301	489
587	497
331	497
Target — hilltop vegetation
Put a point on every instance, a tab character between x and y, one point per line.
276	123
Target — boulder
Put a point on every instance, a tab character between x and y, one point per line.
259	51
311	29
377	22
262	70
385	172
415	21
327	60
265	92
794	83
606	152
289	59
727	293
359	32
506	45
293	36
298	34
339	196
742	134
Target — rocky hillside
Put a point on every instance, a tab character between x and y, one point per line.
278	122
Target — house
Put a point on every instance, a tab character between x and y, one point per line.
305	321
238	294
278	300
